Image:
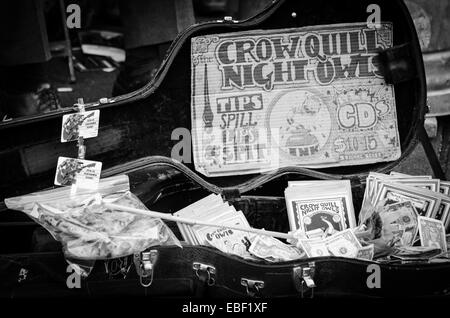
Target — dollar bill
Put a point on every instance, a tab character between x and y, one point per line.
432	233
426	251
429	184
273	250
343	244
314	248
417	253
445	187
264	99
400	220
443	213
426	202
366	252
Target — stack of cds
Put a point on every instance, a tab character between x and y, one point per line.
213	209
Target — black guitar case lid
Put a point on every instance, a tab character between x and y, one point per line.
141	123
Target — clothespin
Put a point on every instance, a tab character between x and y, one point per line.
81	146
80	105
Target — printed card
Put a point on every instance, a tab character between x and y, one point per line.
309	96
84	124
432	233
82	173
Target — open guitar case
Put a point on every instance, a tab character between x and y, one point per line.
135	139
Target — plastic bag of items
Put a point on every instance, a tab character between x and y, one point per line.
90	231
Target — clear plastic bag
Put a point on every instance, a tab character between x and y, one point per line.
90	231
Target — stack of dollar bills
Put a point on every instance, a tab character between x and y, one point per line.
341	244
411	209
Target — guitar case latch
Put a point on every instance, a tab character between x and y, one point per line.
303	277
252	287
145	266
205	272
